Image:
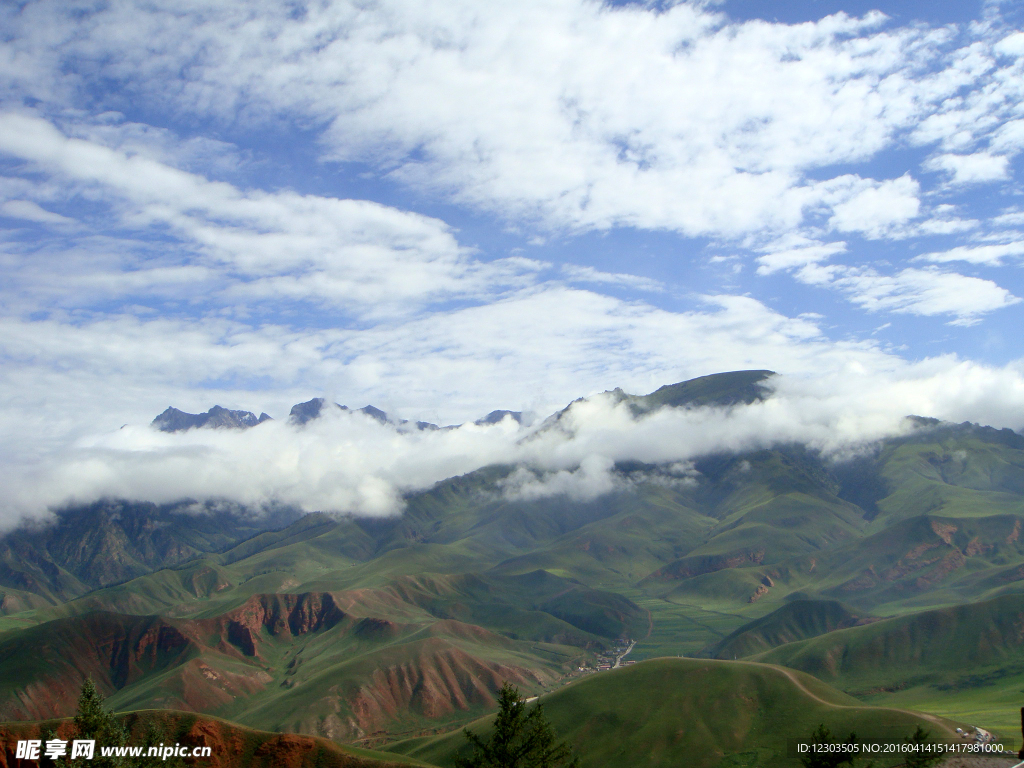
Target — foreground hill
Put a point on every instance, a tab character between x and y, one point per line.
665	713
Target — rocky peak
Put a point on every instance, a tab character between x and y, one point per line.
173	420
309	410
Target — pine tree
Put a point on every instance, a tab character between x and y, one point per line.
94	722
521	739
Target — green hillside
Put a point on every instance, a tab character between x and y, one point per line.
797	620
966	661
721	389
670	712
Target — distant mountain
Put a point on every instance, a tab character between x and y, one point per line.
303	413
173	420
495	417
717	389
309	410
955	649
109	542
722	389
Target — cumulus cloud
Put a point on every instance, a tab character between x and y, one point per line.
1011	45
969	169
875	207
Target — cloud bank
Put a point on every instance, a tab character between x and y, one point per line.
348	463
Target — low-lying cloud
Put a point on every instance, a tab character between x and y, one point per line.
348	463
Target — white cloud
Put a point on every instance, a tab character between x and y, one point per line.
591	479
572	113
1009	219
970	169
944	225
874	208
796	253
29	211
1009	138
363	256
925	292
578	274
1011	45
975	254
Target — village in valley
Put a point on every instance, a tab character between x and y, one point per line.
612	659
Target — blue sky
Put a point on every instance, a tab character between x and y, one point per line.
444	208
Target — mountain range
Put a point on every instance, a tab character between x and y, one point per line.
173	420
887	587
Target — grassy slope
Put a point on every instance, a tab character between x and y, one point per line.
671	712
962	661
798	620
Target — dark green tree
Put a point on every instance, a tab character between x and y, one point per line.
921	759
522	738
93	721
829	759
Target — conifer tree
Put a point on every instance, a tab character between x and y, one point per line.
521	739
827	759
92	721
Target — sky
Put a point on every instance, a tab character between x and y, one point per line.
444	208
